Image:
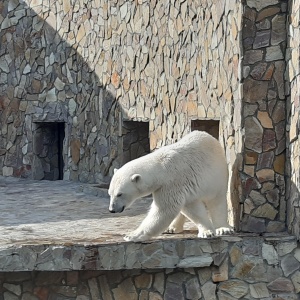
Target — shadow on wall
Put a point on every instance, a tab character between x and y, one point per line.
293	210
235	188
45	79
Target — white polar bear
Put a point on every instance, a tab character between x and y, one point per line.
187	179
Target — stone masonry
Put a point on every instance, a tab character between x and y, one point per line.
164	77
60	242
222	268
293	92
166	63
95	67
93	64
264	113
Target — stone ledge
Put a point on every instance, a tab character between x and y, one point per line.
65	226
157	254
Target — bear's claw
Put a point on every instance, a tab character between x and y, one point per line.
205	233
136	237
224	231
172	230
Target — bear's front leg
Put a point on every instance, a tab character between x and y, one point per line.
154	224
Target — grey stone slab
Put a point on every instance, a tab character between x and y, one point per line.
289	265
262	39
196	261
235	288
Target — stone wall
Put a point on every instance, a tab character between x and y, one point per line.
44	78
293	88
264	114
93	64
240	268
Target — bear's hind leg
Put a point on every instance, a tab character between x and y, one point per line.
177	225
219	215
197	213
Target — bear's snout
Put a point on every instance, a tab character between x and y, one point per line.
116	209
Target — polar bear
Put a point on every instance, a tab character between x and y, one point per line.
187	179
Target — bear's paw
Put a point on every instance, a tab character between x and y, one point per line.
173	229
136	236
224	231
205	233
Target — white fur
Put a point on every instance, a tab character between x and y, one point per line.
187	179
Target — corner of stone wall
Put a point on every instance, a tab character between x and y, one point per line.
263	114
292	135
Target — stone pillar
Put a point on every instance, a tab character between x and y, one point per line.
263	114
293	150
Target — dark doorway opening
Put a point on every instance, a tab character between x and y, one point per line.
48	142
210	126
135	140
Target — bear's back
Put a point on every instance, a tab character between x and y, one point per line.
196	163
197	151
199	143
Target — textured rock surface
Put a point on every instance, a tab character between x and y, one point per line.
60	242
292	76
264	41
94	64
85	277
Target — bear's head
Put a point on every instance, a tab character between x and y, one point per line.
123	190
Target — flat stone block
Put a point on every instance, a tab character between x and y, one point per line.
200	261
274	53
259	5
281	285
253	56
259	290
235	288
289	265
262	39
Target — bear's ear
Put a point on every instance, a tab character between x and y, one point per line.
115	170
135	177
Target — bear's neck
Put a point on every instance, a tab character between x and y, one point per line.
151	167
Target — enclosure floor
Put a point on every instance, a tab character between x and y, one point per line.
65	213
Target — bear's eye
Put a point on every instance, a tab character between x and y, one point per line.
119	194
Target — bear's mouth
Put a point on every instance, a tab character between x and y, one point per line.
117	211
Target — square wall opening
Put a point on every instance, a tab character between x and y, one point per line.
48	162
136	141
210	126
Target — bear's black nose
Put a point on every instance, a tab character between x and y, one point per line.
112	210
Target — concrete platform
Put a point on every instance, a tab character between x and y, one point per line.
63	212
